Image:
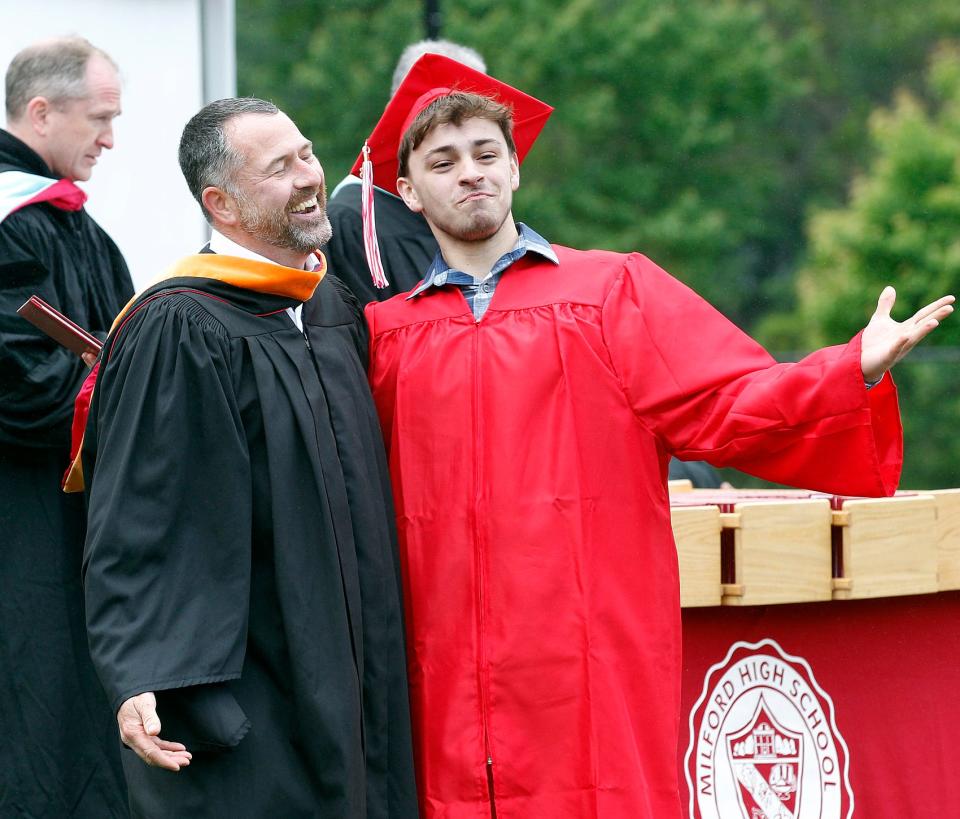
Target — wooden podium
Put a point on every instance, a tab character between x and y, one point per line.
763	547
820	653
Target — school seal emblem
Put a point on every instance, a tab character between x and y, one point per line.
764	742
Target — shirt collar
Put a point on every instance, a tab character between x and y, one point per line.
227	247
528	241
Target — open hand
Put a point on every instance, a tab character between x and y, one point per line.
885	341
140	730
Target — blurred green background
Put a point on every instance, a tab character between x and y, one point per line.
785	158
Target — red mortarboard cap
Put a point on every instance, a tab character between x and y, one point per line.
434	76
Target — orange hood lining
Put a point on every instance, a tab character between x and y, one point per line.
249	274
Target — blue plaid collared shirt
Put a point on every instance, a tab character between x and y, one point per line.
479	292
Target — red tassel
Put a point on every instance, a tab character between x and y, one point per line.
370	244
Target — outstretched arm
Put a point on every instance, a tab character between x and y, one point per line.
709	392
885	341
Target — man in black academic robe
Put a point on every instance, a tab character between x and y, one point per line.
60	756
240	571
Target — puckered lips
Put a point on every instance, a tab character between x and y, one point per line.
476	196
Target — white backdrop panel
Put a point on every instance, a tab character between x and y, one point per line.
137	192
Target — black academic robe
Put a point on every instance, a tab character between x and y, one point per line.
407	246
60	757
241	556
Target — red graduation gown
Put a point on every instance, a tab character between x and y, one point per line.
528	453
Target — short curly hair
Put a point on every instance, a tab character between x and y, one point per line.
454	109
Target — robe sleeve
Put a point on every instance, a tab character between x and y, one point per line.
168	550
38	378
709	392
358	328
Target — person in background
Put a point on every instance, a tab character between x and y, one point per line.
530	396
701	474
241	580
406	244
60	756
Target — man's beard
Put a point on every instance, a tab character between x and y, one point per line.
276	228
473	228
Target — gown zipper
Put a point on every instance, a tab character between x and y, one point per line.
493	802
478	539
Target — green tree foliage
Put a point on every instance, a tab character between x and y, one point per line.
902	224
901	227
327	64
858	54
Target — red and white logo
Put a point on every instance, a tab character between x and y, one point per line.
764	742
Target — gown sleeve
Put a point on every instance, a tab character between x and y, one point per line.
709	392
38	378
168	550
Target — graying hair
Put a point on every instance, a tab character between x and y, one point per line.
455	51
54	69
206	157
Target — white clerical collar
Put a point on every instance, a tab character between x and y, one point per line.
227	247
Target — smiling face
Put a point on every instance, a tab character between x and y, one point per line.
77	130
462	178
278	201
